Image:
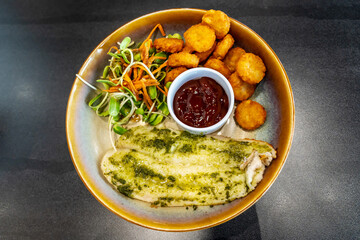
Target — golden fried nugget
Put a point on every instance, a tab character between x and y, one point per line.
242	90
223	47
204	55
200	37
171	45
232	57
217	20
187	49
219	66
170	76
250	115
183	59
250	68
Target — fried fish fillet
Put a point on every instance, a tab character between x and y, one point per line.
175	168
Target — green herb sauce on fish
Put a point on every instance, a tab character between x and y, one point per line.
175	168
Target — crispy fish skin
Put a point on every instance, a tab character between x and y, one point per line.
175	168
171	45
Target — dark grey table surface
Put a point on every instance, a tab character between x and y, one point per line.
44	43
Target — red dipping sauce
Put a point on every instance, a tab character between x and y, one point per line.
201	103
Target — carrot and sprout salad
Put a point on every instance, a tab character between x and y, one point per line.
133	84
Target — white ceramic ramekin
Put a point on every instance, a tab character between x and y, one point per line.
196	73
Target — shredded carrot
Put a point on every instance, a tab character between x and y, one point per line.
141	67
113	80
146	95
139	75
129	72
146	103
153	58
134	91
112	89
122	61
130	84
160	67
139	84
127	78
152	32
137	79
114	47
144	50
135	73
145	99
157	86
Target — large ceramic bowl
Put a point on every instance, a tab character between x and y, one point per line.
88	139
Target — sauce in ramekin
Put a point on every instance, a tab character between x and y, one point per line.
200	103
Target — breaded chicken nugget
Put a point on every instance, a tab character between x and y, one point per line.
223	47
242	90
219	66
183	59
250	115
170	76
187	49
217	20
250	68
232	57
200	37
204	55
171	45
